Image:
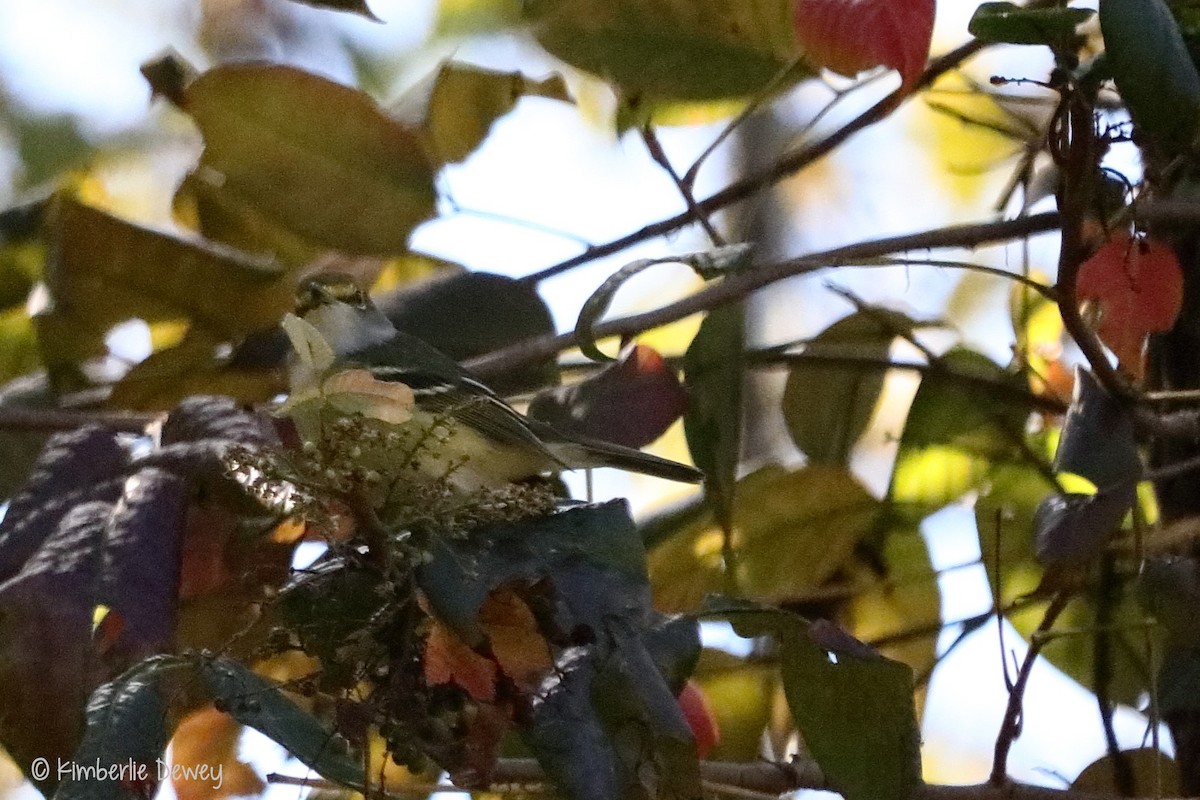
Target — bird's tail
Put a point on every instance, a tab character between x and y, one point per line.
583	453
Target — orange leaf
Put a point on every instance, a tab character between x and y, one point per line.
1138	285
449	660
520	649
849	36
205	741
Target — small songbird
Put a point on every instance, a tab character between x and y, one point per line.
348	348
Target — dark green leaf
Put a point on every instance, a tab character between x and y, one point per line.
712	369
853	707
1008	23
128	729
827	406
1153	71
259	703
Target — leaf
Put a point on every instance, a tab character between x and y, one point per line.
455	107
127	733
680	49
707	264
1154	774
630	402
791	532
849	36
353	6
449	660
1138	285
259	703
1153	71
468	314
960	422
852	706
207	741
105	270
1007	23
268	149
826	407
520	649
698	712
740	695
712	368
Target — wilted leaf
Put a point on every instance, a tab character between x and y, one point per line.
826	407
849	36
257	702
630	402
1009	23
791	532
521	650
680	49
268	149
712	368
1153	71
210	739
455	107
1138	285
853	707
698	712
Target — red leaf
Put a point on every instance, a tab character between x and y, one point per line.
700	718
849	36
1138	285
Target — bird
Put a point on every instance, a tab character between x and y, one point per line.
349	348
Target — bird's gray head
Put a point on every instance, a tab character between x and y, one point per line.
343	313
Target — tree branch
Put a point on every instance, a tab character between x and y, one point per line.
739	286
788	164
17	418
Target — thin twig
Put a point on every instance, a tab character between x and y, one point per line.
655	149
1010	727
788	164
37	419
738	286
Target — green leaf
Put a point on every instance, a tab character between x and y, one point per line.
967	414
826	407
678	49
455	107
853	707
791	532
1007	23
259	703
712	368
1153	71
310	156
127	732
105	270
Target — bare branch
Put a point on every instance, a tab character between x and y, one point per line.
739	286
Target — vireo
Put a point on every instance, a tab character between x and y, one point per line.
354	358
